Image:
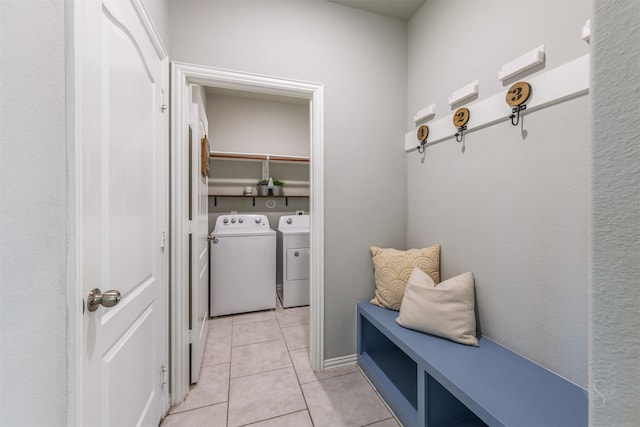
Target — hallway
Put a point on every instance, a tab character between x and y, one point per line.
256	372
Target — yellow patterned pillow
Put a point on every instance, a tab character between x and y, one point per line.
393	269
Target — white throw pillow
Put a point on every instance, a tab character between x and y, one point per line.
446	309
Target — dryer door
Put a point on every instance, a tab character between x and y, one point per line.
298	264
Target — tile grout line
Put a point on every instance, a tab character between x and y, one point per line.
330	378
375	390
298	378
197	408
273	418
265	372
376	422
254	343
229	381
306	404
233	327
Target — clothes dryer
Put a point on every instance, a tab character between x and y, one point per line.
242	265
292	254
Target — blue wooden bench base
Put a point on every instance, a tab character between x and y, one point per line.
431	381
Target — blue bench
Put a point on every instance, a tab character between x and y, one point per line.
431	381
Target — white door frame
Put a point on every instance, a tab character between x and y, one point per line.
183	74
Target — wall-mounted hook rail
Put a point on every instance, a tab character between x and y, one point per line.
568	81
517	95
422	134
460	119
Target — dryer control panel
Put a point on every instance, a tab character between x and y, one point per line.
294	222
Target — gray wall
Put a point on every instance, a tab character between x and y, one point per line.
158	10
261	124
258	125
361	59
33	373
615	220
514	207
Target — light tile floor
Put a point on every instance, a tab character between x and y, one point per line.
256	372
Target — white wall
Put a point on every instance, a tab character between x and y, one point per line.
361	59
33	372
615	221
514	207
158	11
246	125
264	124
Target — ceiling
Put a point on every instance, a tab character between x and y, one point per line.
399	9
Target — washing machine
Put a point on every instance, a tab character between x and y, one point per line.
242	265
292	253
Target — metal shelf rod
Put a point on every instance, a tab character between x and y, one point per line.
257	156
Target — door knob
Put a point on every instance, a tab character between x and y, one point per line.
95	299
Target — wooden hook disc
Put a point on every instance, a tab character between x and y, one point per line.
460	117
423	133
518	94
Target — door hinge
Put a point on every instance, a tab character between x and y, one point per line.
164	238
163	102
190	337
165	375
190	227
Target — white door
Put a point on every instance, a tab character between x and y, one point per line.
199	218
123	212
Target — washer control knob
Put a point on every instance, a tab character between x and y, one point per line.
233	220
258	220
289	220
240	220
226	221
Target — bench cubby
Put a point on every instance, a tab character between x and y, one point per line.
430	381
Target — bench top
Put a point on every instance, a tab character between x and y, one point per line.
498	385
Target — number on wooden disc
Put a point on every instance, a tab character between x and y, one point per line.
518	93
460	117
423	132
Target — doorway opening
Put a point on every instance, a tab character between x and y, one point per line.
184	75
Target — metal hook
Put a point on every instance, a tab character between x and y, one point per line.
515	113
460	132
423	133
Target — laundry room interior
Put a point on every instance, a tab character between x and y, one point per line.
259	151
254	136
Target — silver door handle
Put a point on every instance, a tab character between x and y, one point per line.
212	238
95	299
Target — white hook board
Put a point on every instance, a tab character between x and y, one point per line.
563	83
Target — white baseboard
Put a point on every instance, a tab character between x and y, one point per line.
337	362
